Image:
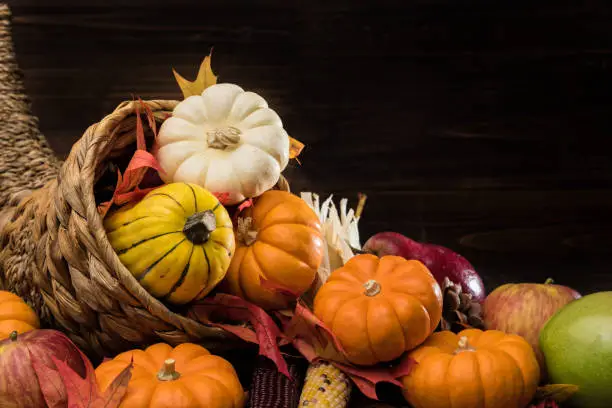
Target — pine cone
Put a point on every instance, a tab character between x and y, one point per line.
459	311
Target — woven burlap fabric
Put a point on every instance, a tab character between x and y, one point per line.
56	255
26	161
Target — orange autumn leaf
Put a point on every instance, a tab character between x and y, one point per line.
205	78
295	148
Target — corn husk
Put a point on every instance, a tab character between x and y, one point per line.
340	231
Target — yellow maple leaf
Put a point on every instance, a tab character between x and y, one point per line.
295	148
556	392
205	78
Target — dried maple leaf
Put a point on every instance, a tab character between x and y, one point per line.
295	148
266	333
63	387
51	385
205	78
84	392
127	189
310	336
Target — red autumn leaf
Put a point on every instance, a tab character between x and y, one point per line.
51	385
62	384
267	334
127	189
315	341
310	335
84	392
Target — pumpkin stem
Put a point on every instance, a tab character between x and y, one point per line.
199	226
223	138
464	345
372	288
168	371
549	281
13	335
245	233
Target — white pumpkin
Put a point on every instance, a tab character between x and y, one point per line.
225	140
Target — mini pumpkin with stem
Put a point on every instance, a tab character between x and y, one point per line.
278	240
182	377
474	368
378	308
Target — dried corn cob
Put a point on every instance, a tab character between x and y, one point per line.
271	389
325	387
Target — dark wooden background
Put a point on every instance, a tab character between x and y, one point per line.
483	127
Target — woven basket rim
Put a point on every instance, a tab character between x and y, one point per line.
100	141
125	277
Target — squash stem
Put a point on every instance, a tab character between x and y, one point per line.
13	335
464	345
168	371
372	288
549	281
199	226
223	138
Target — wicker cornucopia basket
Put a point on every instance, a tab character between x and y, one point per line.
53	247
56	255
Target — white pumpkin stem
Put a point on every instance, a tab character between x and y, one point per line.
464	345
168	371
223	138
245	233
372	288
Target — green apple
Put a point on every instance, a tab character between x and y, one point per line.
577	347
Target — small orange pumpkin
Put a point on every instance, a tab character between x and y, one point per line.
474	368
379	307
15	315
279	239
182	377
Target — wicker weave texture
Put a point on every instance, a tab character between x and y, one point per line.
56	255
26	161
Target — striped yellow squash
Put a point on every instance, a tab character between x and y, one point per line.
177	241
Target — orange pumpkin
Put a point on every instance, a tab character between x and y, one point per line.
279	239
379	307
184	377
489	369
15	315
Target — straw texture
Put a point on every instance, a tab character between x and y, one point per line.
26	161
56	255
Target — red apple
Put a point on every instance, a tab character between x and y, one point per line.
19	384
441	261
524	309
